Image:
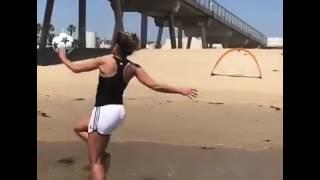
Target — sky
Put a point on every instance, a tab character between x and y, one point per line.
263	15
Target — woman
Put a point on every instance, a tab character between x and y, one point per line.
108	113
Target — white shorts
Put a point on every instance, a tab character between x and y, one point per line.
105	119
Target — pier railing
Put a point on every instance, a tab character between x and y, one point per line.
225	16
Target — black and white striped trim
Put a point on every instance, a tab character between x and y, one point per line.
96	119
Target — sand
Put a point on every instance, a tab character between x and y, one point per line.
242	115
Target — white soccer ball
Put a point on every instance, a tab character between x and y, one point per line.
63	40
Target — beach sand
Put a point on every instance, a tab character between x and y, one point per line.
239	117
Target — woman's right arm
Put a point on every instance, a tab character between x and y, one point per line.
84	65
145	79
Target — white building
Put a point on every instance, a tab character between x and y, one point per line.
91	40
275	42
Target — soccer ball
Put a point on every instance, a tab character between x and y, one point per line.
63	40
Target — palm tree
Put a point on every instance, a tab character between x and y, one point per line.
71	29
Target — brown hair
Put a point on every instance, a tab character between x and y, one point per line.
127	42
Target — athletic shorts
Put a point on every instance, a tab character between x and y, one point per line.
105	119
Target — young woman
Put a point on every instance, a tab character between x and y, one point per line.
108	113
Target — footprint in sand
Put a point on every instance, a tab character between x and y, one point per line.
148	178
206	148
86	168
276	108
43	114
66	161
79	99
218	103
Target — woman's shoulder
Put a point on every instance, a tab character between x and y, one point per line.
106	57
135	64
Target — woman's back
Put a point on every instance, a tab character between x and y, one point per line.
114	76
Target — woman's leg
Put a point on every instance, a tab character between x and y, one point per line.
97	144
81	129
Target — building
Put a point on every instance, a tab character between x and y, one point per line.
275	42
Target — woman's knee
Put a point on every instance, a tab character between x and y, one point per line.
81	126
99	159
78	129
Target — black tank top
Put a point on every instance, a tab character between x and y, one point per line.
110	89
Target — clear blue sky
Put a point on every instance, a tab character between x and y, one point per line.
264	15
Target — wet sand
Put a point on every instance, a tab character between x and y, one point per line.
151	161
